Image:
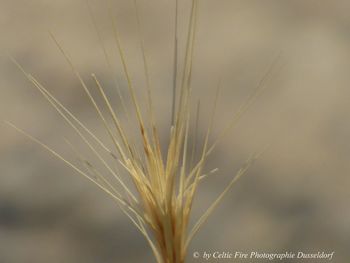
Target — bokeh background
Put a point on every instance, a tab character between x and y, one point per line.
294	198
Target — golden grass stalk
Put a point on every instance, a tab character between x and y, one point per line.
164	185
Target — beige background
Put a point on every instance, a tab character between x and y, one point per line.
296	196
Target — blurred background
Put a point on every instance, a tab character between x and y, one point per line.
294	198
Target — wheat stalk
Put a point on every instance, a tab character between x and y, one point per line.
165	183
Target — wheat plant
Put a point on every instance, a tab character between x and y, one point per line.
164	184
